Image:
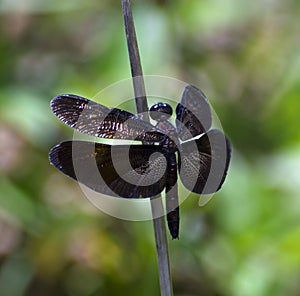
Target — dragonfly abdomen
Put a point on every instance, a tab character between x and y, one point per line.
172	205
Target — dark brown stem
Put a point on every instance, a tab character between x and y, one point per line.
135	62
142	107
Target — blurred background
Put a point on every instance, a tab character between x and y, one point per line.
245	57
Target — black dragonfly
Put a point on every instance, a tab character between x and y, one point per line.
199	154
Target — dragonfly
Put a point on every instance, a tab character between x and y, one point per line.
190	148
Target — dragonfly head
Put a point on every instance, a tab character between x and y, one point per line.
161	112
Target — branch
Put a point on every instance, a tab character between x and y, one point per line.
142	107
135	62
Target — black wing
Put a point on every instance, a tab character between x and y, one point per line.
129	171
203	163
97	120
193	115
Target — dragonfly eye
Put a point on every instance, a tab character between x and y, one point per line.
161	111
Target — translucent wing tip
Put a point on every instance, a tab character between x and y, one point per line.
56	100
192	90
68	107
60	156
193	113
62	99
53	156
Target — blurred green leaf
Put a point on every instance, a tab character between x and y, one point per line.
244	56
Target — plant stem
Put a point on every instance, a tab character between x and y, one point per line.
142	107
159	226
135	62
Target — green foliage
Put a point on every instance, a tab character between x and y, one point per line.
244	56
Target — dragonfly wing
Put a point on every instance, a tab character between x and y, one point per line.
193	115
108	170
97	120
203	163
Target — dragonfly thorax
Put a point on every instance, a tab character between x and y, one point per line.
161	112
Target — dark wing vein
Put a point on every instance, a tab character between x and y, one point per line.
128	171
203	163
193	115
97	120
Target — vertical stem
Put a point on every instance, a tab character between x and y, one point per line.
142	107
159	226
135	62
